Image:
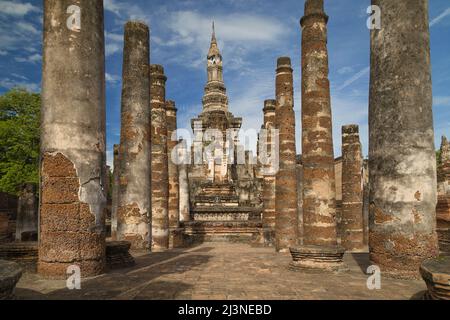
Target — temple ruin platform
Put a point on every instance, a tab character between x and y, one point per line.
223	271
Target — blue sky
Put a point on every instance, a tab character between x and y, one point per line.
251	35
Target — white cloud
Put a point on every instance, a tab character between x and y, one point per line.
440	17
345	70
112	78
126	11
112	48
15	8
34	58
441	101
3	53
9	84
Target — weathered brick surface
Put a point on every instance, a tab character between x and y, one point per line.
174	201
73	200
319	194
352	189
134	205
286	219
159	160
402	162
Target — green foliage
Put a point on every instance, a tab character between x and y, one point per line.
19	139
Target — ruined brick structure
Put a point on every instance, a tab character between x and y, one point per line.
222	192
184	206
8	214
443	206
27	213
286	219
159	160
352	190
73	156
134	205
402	159
319	249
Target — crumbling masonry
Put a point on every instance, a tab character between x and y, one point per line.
159	160
134	205
402	160
72	204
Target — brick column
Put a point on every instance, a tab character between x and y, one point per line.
185	212
73	203
286	219
352	190
159	174
319	248
402	159
133	213
174	202
115	191
443	206
268	193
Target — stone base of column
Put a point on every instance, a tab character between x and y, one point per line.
318	258
118	255
436	274
176	238
10	274
444	241
268	237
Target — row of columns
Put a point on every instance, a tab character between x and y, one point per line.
73	149
402	161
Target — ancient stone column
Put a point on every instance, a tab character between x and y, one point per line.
115	191
443	206
402	159
174	209
286	219
27	213
320	248
72	203
134	205
160	178
185	215
268	193
352	236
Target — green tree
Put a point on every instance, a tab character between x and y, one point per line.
19	139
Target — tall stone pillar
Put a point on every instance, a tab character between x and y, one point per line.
174	203
73	201
27	213
352	190
160	178
115	191
286	219
402	159
268	193
185	212
443	206
320	248
134	205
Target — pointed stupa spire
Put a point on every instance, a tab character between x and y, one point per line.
214	49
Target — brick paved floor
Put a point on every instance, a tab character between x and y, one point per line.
222	271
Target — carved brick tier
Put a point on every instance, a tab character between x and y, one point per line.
118	255
10	274
23	253
436	274
317	258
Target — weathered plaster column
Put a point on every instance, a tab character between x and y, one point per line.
402	159
72	203
320	248
174	203
443	206
268	193
115	191
286	219
134	202
160	178
185	212
352	190
27	212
